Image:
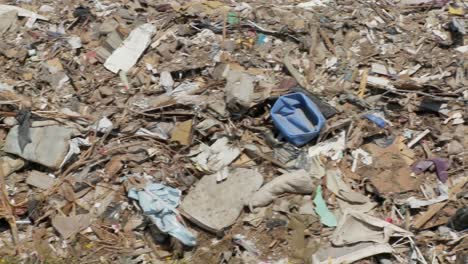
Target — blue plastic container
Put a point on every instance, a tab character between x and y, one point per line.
297	118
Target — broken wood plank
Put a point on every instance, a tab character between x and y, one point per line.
363	83
424	218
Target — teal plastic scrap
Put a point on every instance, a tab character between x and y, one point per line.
262	39
326	217
159	203
232	18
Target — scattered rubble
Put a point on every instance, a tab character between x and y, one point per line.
323	131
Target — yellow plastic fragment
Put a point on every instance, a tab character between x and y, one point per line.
457	11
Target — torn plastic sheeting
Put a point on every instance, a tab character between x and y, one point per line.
74	42
21	12
104	125
159	203
206	124
297	118
158	133
217	156
443	190
462	49
5	87
124	57
332	148
204	37
184	89
326	217
440	164
347	198
455	117
294	182
357	227
246	244
350	254
458	25
222	174
105	9
166	81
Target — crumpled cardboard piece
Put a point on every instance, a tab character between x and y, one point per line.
390	170
182	133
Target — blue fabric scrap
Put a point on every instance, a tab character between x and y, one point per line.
159	203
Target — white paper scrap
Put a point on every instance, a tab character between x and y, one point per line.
126	56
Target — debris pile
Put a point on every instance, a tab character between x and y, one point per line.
322	131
